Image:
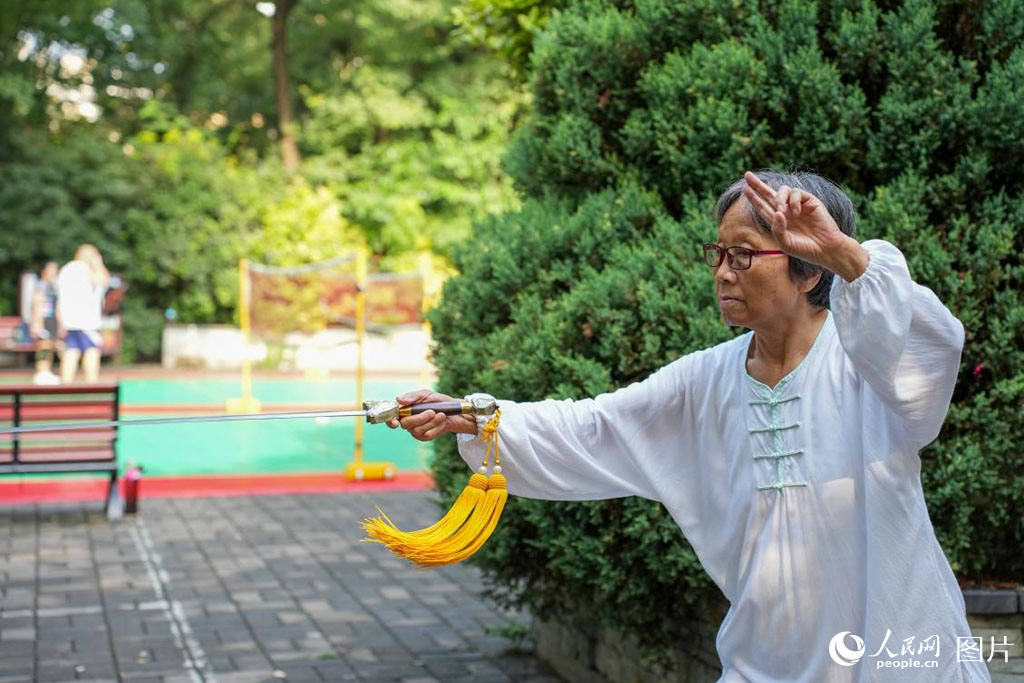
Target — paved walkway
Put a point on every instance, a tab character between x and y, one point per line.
262	588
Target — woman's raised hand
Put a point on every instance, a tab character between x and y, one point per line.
429	425
804	228
800	223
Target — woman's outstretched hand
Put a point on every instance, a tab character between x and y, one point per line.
804	228
429	425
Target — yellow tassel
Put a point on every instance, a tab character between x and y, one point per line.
385	531
464	528
473	534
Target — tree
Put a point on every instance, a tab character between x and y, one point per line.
285	120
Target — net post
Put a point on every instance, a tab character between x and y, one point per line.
425	268
245	404
360	333
358	469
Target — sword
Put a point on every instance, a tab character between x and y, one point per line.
375	412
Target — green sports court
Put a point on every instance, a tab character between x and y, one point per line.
265	446
319	445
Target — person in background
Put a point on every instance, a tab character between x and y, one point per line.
44	323
81	285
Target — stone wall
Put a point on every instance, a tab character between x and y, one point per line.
993	615
588	654
583	653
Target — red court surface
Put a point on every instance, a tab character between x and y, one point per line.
94	489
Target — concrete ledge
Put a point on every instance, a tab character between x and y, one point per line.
981	601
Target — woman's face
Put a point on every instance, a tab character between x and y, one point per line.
756	297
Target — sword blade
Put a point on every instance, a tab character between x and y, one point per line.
182	420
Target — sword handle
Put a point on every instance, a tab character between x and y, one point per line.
446	407
383	411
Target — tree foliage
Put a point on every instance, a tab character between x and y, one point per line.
149	128
507	27
642	111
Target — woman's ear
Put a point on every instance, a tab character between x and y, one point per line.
810	283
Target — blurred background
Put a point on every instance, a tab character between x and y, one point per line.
181	136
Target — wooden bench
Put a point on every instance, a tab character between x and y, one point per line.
110	328
111	334
8	337
80	450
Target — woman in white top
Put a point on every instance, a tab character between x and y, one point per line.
81	285
789	455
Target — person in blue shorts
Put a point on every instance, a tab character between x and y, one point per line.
81	285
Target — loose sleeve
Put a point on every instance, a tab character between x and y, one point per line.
610	446
901	339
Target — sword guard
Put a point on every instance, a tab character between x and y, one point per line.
380	411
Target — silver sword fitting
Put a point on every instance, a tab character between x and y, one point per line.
484	405
380	411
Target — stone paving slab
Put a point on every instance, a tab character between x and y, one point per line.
239	590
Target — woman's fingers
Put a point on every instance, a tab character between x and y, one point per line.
779	226
429	424
760	188
781	202
411	422
790	199
768	201
796	202
418	424
421	396
436	428
425	426
759	204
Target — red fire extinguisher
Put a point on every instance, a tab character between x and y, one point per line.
132	477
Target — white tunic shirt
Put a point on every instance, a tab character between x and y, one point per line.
803	501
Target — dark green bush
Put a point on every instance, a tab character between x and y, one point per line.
643	112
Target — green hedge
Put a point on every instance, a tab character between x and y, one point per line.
643	111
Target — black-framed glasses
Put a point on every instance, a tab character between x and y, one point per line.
740	258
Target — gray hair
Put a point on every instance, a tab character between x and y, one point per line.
831	195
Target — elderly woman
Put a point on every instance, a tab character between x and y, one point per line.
789	455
